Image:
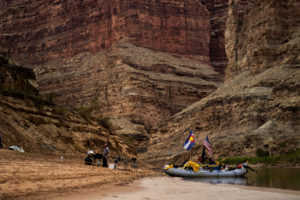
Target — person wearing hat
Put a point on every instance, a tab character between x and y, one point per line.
105	156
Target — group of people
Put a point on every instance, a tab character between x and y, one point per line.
93	156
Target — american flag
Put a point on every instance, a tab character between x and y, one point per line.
207	145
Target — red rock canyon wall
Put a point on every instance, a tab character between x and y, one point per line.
34	32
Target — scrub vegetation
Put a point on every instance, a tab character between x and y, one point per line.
292	158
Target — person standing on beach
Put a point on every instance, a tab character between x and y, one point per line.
105	156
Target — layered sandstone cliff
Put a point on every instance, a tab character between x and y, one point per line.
257	109
37	31
29	121
259	38
218	16
141	61
136	87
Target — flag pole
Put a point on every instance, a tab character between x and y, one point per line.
191	149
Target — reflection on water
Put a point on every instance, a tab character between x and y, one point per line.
223	180
284	178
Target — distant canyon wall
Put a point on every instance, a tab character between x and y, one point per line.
136	87
261	34
257	109
218	10
141	60
37	31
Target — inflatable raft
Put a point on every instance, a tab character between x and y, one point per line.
180	172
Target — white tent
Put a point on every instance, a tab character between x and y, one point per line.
16	148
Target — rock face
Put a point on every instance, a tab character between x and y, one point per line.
218	16
37	31
257	108
15	78
258	39
38	126
136	87
141	60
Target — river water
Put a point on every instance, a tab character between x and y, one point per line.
279	177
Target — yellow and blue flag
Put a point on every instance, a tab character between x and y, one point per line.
189	142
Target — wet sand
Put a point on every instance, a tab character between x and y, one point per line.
165	188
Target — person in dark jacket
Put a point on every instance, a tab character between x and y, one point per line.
211	161
105	156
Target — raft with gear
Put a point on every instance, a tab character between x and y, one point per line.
215	169
192	169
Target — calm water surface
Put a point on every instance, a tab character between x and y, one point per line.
279	177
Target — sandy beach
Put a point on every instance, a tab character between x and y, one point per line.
31	176
25	176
